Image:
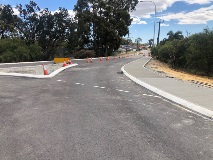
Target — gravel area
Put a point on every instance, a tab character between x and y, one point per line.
35	70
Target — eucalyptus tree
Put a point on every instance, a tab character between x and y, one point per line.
28	26
7	22
84	22
72	37
102	23
53	30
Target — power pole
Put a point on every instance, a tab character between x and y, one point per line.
161	21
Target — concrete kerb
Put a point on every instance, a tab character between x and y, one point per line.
24	62
52	74
189	105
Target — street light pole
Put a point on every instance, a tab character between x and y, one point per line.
161	21
154	20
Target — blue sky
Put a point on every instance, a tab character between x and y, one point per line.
190	16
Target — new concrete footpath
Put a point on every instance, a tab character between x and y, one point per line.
195	98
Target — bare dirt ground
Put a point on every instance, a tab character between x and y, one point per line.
165	70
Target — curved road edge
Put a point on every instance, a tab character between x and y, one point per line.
199	109
38	76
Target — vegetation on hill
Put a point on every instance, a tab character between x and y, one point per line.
97	26
194	54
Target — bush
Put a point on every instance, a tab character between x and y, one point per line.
84	54
15	50
35	53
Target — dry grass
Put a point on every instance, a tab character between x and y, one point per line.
165	69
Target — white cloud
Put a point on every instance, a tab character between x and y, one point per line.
136	20
200	16
16	12
71	13
198	1
164	25
146	9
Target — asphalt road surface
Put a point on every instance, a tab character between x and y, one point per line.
94	112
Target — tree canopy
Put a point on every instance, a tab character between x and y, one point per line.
102	23
193	54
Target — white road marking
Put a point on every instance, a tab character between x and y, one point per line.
77	83
148	95
102	87
59	80
126	91
96	86
157	96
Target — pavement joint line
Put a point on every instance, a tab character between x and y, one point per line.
52	74
194	107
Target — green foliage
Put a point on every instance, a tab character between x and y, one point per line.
15	50
124	41
200	52
98	25
7	22
49	30
35	53
28	26
102	24
84	54
194	54
165	52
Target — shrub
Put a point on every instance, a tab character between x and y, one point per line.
35	53
84	54
15	50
